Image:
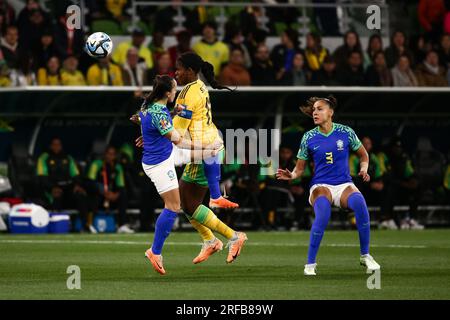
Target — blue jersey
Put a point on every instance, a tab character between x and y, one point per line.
155	123
330	153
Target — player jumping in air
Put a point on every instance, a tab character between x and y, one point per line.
196	118
162	151
328	146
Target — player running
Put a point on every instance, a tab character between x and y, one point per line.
196	118
161	153
328	145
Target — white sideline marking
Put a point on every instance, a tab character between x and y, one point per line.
171	243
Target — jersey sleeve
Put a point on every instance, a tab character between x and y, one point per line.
162	122
303	151
354	141
42	168
189	100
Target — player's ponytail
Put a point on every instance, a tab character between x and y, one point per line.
307	108
208	72
197	64
161	85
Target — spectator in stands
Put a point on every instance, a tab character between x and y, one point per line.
45	50
444	51
68	41
7	16
402	187
419	48
250	20
262	72
105	73
106	183
211	49
164	19
396	49
119	56
326	18
31	6
431	16
61	183
373	191
326	76
374	46
24	74
31	33
378	74
352	73
234	39
351	44
116	8
235	73
253	39
50	75
156	46
315	53
5	81
163	66
402	75
283	54
183	45
9	47
70	75
299	75
430	73
134	73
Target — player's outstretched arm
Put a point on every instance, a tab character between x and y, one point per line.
182	143
285	174
364	163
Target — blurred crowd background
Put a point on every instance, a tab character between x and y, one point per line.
37	48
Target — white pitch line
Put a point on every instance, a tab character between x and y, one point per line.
256	244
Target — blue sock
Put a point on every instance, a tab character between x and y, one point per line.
357	203
163	226
322	209
211	166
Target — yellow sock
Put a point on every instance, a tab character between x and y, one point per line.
204	232
206	217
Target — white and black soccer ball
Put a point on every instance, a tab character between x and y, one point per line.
99	45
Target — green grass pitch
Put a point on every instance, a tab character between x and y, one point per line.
415	265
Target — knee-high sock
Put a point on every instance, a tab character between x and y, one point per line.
211	167
206	217
204	232
322	209
163	226
357	203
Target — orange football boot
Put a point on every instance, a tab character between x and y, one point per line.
222	203
235	246
156	260
208	249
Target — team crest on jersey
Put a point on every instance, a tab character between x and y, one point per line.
165	124
171	174
340	145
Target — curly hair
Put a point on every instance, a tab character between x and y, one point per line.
307	108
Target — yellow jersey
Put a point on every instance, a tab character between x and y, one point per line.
196	117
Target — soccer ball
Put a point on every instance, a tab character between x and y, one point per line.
99	45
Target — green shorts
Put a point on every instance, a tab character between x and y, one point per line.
194	173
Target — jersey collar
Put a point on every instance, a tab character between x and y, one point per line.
326	134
